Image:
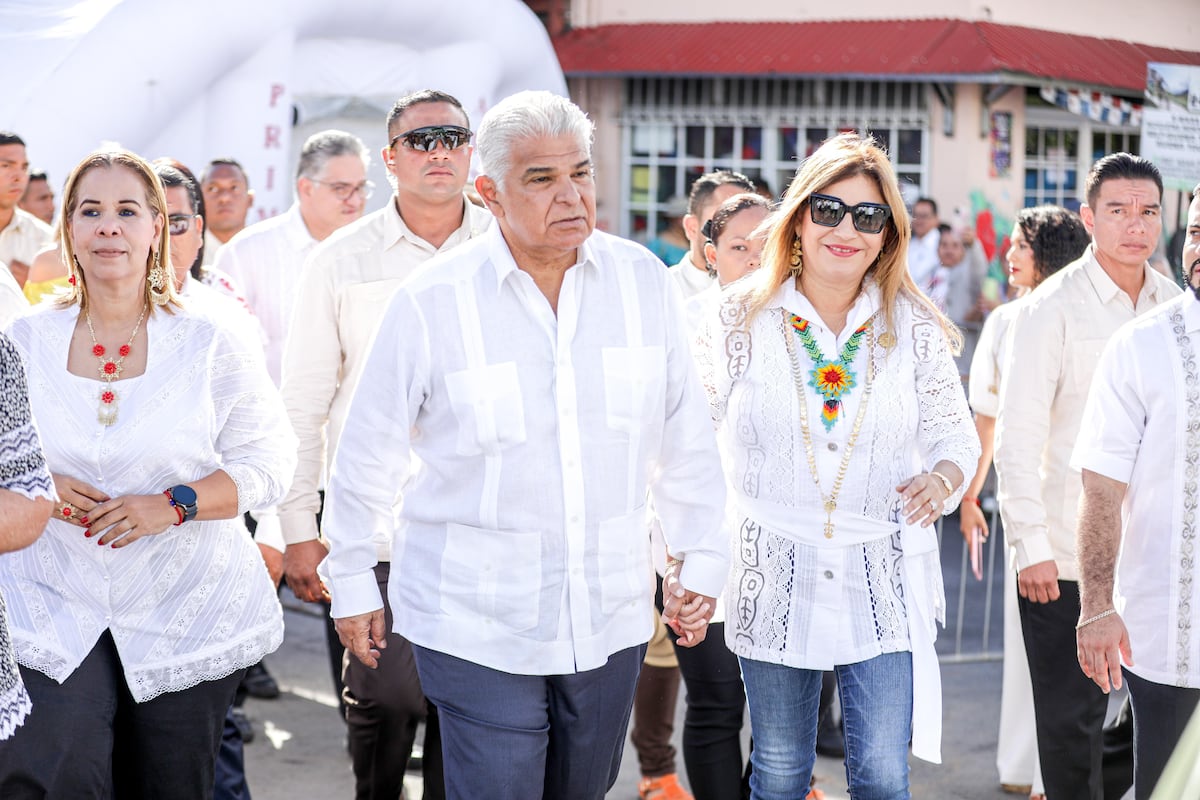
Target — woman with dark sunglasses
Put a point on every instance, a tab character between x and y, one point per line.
847	435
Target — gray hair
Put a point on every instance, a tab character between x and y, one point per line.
527	115
319	148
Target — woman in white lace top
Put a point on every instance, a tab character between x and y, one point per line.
832	382
136	612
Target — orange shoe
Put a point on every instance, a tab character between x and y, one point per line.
665	788
814	794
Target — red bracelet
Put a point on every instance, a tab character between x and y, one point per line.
175	506
974	500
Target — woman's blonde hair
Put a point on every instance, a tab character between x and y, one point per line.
156	200
841	157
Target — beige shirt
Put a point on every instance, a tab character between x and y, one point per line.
691	281
12	300
344	289
24	237
1054	344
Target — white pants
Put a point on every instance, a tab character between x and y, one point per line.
1016	751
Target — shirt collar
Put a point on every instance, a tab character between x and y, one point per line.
790	298
1191	310
297	232
396	229
1106	289
503	263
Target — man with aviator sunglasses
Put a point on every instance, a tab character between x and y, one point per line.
344	290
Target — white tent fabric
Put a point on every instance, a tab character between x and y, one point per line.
197	80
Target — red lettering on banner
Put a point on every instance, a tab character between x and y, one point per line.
270	178
276	93
273	138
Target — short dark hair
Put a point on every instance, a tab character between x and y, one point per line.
730	209
706	185
38	175
8	137
417	98
1120	166
225	161
172	172
932	203
1055	235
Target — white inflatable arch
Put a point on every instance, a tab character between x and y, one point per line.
251	78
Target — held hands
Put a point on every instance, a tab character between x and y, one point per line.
687	613
922	497
363	635
76	500
1103	644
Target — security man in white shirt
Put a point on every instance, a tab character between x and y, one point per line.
1138	449
343	291
1055	341
693	273
523	393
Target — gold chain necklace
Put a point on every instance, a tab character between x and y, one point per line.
829	501
110	370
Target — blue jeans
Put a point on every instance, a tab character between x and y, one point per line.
877	708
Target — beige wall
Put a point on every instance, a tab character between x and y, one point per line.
601	99
1166	23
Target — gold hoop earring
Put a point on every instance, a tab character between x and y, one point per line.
158	282
797	259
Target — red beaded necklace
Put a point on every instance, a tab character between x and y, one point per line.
110	370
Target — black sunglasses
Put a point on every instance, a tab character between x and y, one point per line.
828	211
425	139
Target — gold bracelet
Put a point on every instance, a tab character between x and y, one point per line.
945	482
1096	618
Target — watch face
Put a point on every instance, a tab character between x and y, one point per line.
184	495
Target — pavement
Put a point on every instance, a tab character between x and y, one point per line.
300	746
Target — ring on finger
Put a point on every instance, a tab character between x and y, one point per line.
70	511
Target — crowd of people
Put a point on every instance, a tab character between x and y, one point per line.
537	480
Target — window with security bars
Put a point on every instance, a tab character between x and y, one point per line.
677	129
1058	156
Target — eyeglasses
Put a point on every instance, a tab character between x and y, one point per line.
424	139
344	191
828	211
178	224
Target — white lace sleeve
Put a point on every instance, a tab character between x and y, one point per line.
254	438
722	352
946	431
22	464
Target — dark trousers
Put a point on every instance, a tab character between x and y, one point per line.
1160	713
654	719
712	722
384	706
87	738
230	781
1068	707
525	737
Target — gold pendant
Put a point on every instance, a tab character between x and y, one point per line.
887	339
829	529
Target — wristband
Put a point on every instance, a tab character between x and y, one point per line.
1096	618
945	482
175	506
974	500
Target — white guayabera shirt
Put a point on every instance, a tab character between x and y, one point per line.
1140	427
193	603
523	444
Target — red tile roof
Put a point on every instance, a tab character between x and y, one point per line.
921	48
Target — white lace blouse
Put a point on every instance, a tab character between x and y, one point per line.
794	596
193	603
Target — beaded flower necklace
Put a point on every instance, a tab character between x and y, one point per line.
831	379
828	501
110	370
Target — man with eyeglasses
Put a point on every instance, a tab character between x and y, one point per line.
228	198
265	259
345	288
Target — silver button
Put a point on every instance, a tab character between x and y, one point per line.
829	574
833	446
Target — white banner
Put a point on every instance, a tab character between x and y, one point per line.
1171	123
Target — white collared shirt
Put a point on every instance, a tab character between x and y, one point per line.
524	444
983	388
1140	428
1055	341
691	281
923	261
344	289
265	259
12	300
